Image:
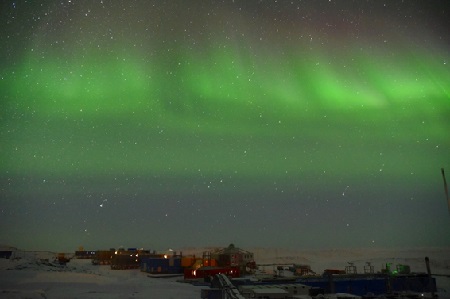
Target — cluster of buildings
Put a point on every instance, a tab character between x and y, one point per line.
224	270
231	261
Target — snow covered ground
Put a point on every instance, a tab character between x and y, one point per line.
33	277
81	279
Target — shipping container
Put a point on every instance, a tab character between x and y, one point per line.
103	257
161	265
123	260
187	261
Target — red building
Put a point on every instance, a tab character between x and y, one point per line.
205	272
235	257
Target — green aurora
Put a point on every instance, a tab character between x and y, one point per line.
239	110
222	114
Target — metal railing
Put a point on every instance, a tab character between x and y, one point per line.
229	291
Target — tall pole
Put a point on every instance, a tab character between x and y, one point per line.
430	279
446	189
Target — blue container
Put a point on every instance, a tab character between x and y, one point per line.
378	284
361	284
171	265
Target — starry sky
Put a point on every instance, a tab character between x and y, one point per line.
166	124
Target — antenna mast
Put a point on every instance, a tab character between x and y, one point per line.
446	189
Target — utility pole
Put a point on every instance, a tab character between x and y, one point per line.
446	189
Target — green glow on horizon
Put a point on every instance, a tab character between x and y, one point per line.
89	151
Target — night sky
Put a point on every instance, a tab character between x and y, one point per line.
165	124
